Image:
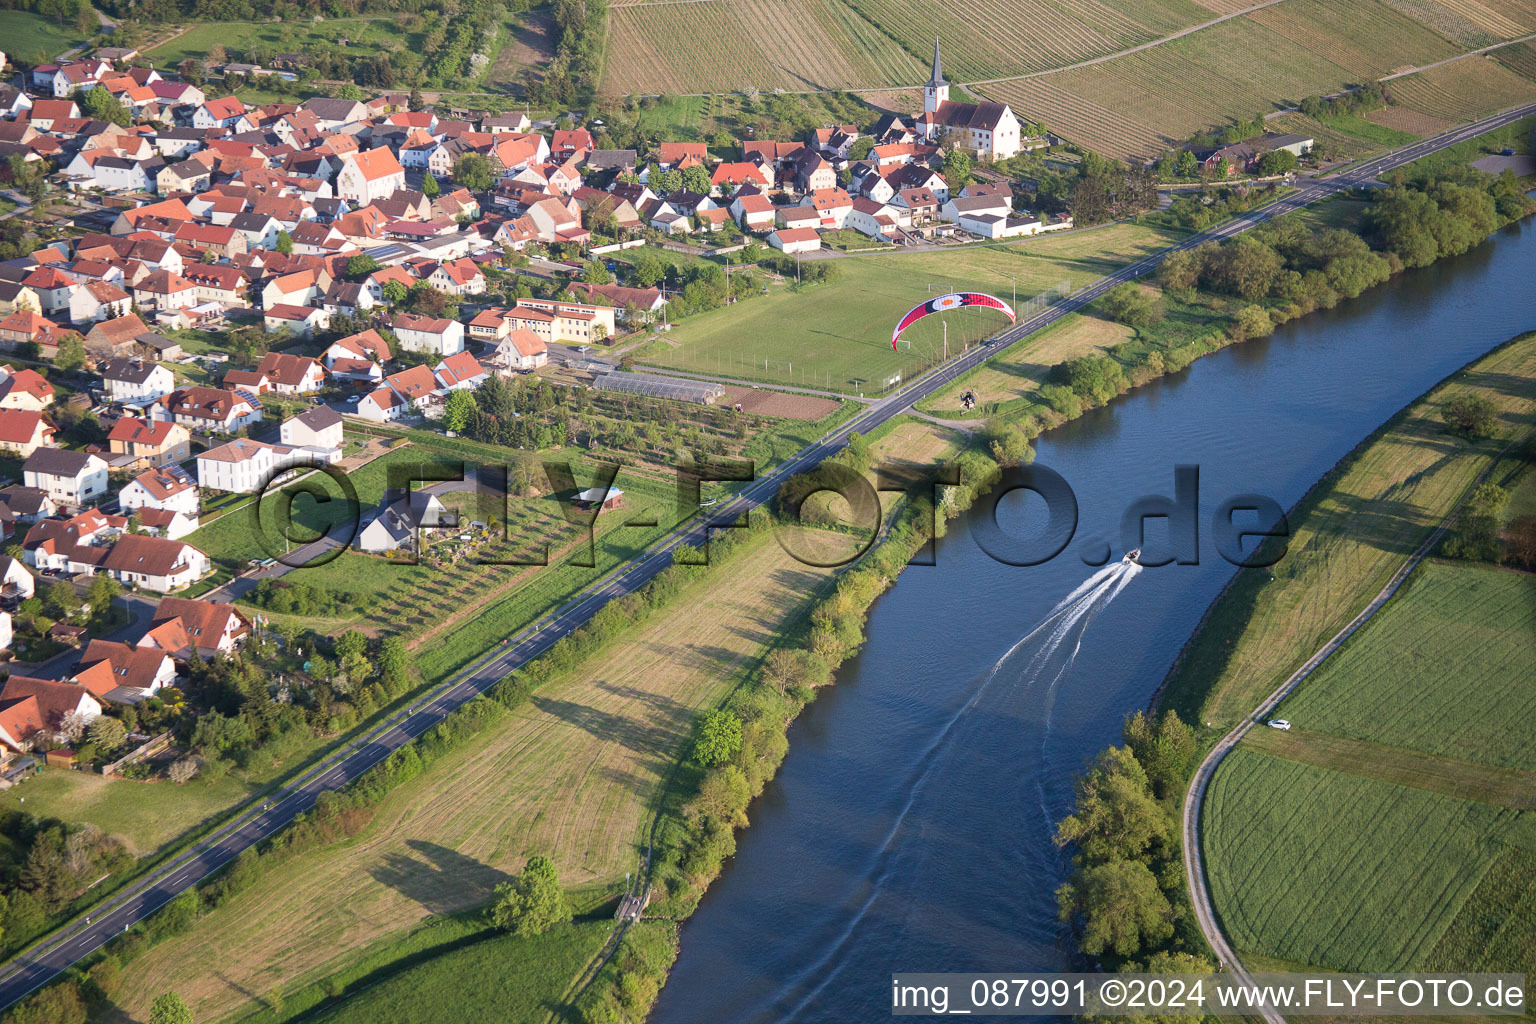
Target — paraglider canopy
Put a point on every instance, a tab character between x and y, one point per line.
944	303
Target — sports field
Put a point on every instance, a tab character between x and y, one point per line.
571	775
837	335
1348	538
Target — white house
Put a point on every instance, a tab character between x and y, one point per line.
990	130
166	488
320	427
69	478
369	175
209	409
124	674
243	466
155	563
382	406
135	382
795	240
428	334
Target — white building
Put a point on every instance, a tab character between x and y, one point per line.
989	130
438	336
243	466
69	478
166	488
135	382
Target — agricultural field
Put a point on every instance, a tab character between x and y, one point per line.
1472	23
1462	90
836	336
1341	552
1022	368
1341	871
795	45
499	977
30	36
363	35
1025	36
572	775
1407	123
1519	58
1403	680
1142	103
532	45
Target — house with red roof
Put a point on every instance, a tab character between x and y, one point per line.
182	625
23	432
122	674
460	371
369	175
150	442
25	389
163	488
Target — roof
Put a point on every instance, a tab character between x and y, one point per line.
200	620
106	665
54	700
525	342
59	462
122	329
19	426
20	717
203	402
415	322
459	367
375	164
130	371
413	384
165	481
239	450
287	369
798	235
153	556
321	416
138	431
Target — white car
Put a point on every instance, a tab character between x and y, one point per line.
1279	723
353	399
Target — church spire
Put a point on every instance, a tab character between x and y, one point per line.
937	78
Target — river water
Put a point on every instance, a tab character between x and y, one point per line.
909	827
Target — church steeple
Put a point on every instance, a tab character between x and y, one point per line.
936	92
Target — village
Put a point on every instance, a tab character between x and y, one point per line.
357	253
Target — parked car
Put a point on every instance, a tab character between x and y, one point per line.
1280	723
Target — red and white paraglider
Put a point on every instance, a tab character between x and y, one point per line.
945	303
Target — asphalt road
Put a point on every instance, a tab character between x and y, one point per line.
124	909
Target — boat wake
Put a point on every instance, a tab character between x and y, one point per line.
1063	627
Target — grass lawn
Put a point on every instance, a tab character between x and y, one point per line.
364	35
1345	872
28	36
500	977
1347	539
1368	131
145	815
837	335
572	775
1516	136
1444	669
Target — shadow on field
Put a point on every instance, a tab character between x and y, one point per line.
653	738
440	879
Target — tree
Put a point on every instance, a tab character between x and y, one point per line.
107	733
1277	161
716	739
73	725
1253	322
1472	415
459	411
182	770
957	169
361	265
1476	535
696	179
394	292
71	355
284	243
784	669
1115	815
1132	306
417	100
666	182
474	172
100	594
1121	908
101	105
429	186
1164	747
593	272
170	1008
533	902
60	600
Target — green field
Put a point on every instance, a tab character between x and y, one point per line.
499	977
837	335
363	35
1347	539
1341	871
1404	679
29	36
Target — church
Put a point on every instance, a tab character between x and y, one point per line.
989	130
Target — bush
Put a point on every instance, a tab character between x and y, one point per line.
1470	415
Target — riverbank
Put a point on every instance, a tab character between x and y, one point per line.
1409	738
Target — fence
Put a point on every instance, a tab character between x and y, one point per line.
603	250
148	749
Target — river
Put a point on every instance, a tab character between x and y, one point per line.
909	827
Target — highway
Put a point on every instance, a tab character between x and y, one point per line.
68	944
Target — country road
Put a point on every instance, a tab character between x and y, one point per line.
68	944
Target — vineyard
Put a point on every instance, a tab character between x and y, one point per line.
1024	35
795	45
1411	121
1139	104
1462	90
1471	23
1519	58
1402	679
1321	867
